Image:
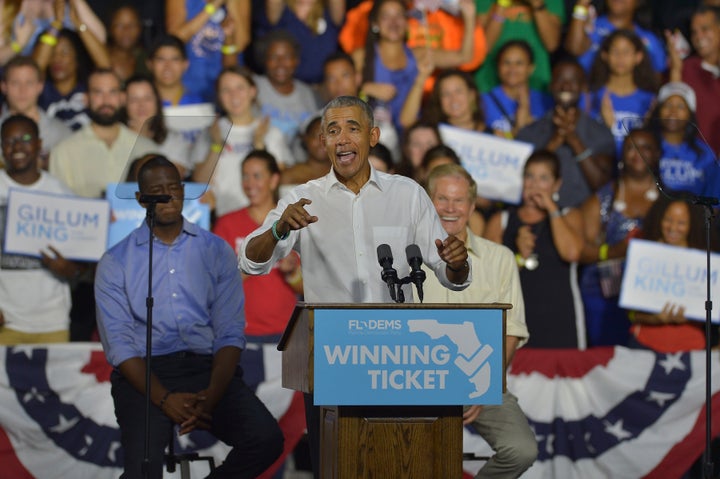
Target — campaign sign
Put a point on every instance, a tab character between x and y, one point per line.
77	227
408	356
496	164
127	214
656	274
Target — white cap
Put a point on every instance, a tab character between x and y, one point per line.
680	89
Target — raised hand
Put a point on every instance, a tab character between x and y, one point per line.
607	110
452	251
295	217
525	241
672	313
23	29
58	265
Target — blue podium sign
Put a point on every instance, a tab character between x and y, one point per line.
408	356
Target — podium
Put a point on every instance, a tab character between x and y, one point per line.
391	380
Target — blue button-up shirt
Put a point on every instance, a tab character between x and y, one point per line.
197	290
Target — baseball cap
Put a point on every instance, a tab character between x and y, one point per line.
680	89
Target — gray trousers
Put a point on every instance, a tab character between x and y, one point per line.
506	430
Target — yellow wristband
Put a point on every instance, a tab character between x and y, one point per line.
216	147
603	252
504	3
210	9
580	12
15	47
294	278
228	49
48	39
519	260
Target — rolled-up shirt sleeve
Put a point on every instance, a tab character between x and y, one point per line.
116	325
282	248
227	311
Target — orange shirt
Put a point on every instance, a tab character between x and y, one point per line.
444	31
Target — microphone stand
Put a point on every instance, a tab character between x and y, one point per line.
151	201
707	204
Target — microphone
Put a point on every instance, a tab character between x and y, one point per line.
155	199
389	275
417	275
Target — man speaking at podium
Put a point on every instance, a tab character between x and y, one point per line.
504	427
337	222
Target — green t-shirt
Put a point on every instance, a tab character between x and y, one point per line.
519	26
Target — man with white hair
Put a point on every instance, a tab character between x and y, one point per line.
496	279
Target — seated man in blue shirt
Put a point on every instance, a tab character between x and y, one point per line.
198	328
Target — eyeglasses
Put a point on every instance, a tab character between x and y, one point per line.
25	139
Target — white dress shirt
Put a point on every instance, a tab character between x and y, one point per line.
339	251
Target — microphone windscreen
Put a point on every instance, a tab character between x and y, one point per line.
412	252
384	254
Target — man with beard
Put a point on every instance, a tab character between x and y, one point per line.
98	153
86	162
584	146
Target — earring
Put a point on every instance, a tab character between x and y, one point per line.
375	29
555	196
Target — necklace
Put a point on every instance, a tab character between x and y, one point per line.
620	205
532	262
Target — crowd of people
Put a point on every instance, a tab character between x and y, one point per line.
614	98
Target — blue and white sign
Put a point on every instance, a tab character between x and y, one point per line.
656	274
408	357
127	214
496	164
77	227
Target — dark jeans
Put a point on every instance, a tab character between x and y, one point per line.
240	420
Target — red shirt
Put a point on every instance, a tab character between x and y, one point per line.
269	300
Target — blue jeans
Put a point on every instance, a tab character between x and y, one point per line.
240	420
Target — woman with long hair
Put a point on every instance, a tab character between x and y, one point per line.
417	139
392	72
513	104
586	30
269	298
612	216
127	54
674	222
547	242
144	115
455	100
238	130
622	84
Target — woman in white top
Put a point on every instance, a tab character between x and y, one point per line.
238	130
143	115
